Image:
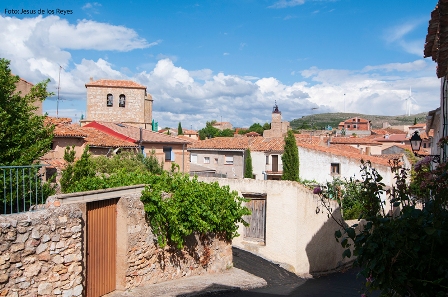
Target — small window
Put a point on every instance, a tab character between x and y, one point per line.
348	126
358	120
354	120
229	160
122	100
194	158
110	100
267	160
424	145
354	126
216	160
168	151
206	160
335	169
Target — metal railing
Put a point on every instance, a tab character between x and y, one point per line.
21	188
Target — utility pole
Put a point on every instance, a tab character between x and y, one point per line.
59	87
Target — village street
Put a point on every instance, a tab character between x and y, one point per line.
281	282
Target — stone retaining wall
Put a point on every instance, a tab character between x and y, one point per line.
147	263
41	253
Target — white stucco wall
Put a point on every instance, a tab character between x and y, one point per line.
297	237
259	163
316	165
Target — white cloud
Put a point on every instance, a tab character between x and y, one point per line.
225	54
398	36
407	67
286	3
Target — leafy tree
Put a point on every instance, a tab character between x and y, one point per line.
256	127
266	126
402	253
210	132
24	136
225	133
75	171
179	129
248	165
290	158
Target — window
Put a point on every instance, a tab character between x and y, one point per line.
229	160
122	100
335	169
169	154
354	126
424	145
206	160
194	158
348	126
267	160
216	160
110	100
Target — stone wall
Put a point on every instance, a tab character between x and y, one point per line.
41	253
137	110
145	262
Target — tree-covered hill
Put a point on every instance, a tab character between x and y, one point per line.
319	121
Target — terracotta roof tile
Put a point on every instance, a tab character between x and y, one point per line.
131	133
114	83
436	44
354	140
341	151
100	139
190	132
222	143
66	130
392	138
387	131
57	121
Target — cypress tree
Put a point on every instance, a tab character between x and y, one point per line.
179	129
290	158
248	165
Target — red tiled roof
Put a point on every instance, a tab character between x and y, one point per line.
101	139
354	140
387	131
222	143
342	151
190	132
273	144
114	83
392	138
57	121
436	44
72	130
131	133
418	126
252	134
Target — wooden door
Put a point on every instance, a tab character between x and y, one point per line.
101	247
257	220
275	163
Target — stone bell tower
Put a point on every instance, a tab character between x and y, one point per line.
278	128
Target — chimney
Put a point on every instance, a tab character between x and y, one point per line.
368	151
91	78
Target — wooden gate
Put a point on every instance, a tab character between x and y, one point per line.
101	247
257	220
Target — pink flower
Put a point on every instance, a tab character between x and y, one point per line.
317	190
363	295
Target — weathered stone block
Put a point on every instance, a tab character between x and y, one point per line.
44	288
41	248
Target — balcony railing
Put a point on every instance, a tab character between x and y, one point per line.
21	188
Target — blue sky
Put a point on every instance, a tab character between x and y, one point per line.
203	60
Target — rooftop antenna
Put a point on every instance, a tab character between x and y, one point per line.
59	87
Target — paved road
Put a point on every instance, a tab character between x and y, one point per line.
284	283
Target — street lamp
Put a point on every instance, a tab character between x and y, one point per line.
416	143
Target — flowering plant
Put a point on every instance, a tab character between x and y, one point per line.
402	252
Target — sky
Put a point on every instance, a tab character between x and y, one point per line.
228	60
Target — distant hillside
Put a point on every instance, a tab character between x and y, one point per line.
318	121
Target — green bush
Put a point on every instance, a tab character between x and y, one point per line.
178	206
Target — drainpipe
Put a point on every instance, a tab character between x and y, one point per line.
183	157
244	163
265	175
141	140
